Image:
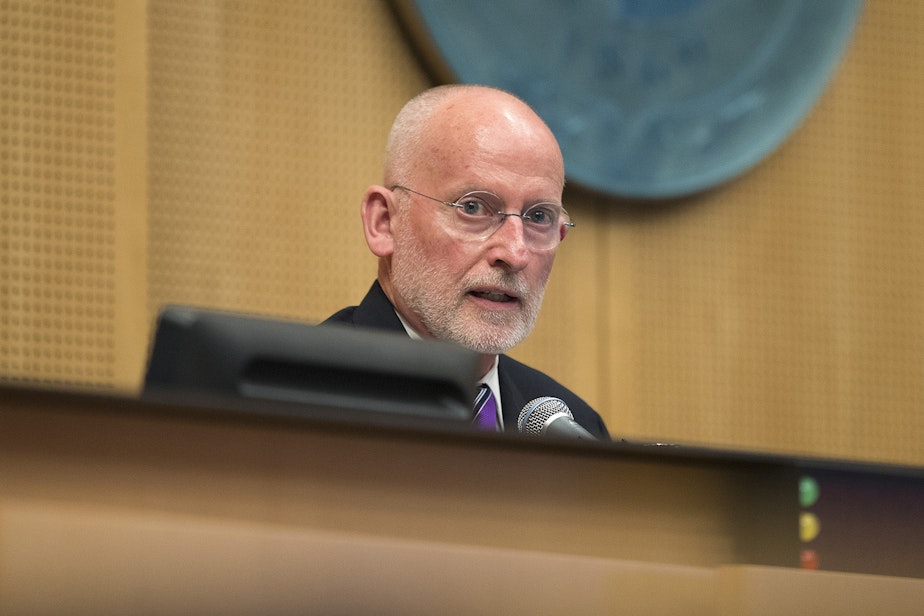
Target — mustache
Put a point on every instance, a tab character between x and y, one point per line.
509	282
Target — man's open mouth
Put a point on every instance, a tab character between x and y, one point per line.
495	296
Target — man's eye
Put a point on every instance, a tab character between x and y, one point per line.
474	207
540	216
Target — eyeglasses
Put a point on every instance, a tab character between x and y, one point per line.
478	214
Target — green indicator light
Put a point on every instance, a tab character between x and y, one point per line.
808	491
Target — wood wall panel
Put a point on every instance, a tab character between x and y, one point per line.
783	310
268	120
72	198
214	153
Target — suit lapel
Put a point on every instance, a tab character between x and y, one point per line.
376	311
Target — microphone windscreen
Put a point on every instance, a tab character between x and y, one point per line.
536	415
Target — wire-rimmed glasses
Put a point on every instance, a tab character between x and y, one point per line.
480	213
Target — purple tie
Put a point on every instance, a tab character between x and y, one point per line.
485	410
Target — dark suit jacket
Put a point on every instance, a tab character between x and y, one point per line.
519	383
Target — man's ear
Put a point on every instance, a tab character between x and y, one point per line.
377	209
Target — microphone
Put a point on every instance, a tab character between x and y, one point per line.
552	417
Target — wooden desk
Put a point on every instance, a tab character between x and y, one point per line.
117	505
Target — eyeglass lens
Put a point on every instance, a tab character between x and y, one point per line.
482	213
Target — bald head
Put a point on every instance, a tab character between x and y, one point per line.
441	119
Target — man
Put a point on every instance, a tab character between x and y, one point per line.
466	227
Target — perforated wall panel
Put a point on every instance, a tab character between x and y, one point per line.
783	311
57	178
268	121
215	153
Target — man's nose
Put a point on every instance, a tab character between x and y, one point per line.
507	245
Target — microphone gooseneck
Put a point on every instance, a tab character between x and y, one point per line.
550	416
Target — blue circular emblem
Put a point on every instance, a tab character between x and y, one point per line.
648	98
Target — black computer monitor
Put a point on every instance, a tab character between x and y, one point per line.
331	370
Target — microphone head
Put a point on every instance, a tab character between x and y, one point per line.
537	414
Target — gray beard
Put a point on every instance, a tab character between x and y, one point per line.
434	297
